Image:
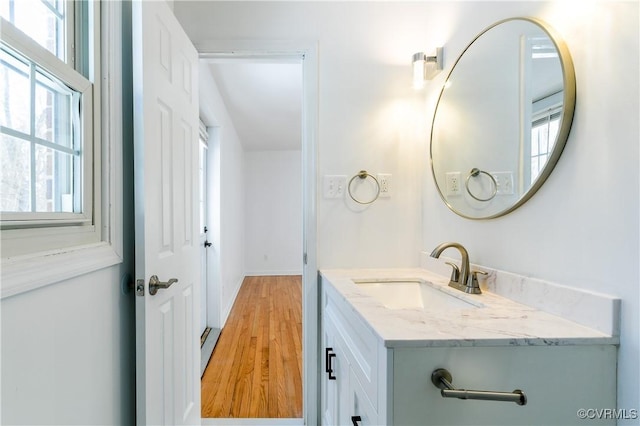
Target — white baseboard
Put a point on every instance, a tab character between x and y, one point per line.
227	309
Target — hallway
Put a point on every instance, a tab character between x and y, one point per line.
256	368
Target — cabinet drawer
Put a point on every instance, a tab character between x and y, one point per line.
557	380
360	341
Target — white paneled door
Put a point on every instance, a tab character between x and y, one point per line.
166	213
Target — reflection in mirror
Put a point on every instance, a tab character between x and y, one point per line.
502	118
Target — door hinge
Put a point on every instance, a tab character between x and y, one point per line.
304	258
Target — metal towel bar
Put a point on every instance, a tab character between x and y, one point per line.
441	378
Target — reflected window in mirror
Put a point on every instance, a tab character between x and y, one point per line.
544	131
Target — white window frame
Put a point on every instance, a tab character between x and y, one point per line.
544	110
42	58
37	256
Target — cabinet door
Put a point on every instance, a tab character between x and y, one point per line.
329	388
360	409
342	370
335	379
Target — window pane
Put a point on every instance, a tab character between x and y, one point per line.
554	127
535	136
15	174
534	168
543	136
54	181
53	111
544	139
40	160
43	21
14	91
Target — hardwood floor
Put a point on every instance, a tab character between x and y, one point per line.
256	367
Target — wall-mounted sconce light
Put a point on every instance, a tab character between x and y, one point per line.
425	67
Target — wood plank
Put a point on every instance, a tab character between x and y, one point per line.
256	368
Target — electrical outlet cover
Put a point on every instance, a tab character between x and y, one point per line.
504	182
453	183
384	180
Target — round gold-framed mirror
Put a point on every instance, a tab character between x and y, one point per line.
502	118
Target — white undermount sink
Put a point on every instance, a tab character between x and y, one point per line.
415	294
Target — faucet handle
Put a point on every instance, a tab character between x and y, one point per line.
455	272
474	278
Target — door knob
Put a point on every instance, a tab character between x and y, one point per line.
207	243
155	284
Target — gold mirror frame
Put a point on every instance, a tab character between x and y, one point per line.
569	99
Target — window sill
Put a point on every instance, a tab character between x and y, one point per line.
29	272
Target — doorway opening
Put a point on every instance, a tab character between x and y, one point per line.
269	185
209	324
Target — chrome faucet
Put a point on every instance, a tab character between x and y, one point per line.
461	279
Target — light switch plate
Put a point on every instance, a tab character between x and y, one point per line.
334	186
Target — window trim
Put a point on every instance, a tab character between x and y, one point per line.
26	272
13	224
21	42
48	62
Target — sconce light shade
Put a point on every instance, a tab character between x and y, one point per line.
425	67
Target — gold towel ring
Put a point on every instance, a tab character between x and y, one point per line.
363	174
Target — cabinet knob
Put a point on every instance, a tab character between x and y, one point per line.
355	420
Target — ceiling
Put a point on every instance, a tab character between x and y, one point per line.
264	101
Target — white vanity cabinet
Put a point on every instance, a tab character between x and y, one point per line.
380	382
350	368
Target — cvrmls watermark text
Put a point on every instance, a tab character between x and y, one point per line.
607	413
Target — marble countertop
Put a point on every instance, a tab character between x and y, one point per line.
497	322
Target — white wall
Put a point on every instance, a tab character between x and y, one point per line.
369	118
68	349
273	217
581	229
66	354
228	189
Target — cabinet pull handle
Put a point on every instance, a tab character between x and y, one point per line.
328	356
355	420
441	378
331	376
